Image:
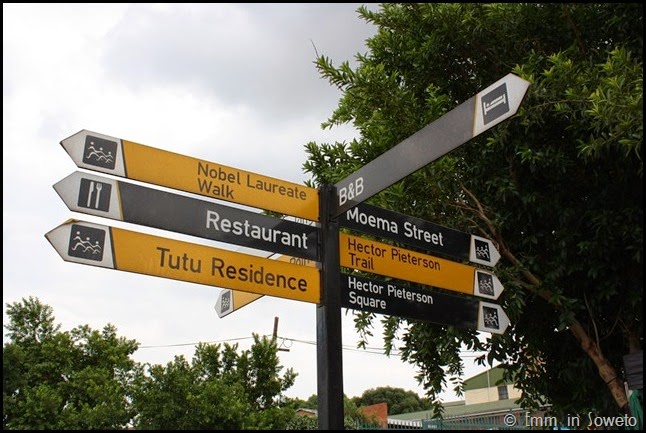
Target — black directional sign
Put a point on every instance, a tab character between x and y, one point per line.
419	233
123	201
469	119
416	303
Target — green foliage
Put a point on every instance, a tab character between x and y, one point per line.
75	380
559	187
398	400
85	380
352	415
303	422
220	389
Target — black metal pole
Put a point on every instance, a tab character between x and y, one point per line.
328	320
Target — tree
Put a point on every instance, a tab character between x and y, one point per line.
352	415
398	399
558	187
219	389
85	379
75	380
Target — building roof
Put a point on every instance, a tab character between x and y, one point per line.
487	379
460	409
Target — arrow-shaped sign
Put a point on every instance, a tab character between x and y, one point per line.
231	300
124	250
106	154
386	297
419	233
469	119
123	201
403	264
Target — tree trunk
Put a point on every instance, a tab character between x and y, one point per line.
607	372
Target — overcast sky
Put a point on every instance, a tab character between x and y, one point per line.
228	83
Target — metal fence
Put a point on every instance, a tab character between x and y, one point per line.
485	422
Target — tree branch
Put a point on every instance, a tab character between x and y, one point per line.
606	371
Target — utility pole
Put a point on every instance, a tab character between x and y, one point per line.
275	334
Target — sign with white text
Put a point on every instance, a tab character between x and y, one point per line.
419	233
106	154
123	201
416	303
469	119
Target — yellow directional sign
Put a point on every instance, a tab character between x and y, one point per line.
384	259
124	250
106	154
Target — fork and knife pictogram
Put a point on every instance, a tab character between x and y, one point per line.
98	186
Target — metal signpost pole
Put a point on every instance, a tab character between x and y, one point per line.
328	320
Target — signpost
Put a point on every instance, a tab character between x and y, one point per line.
246	277
103	153
123	201
419	233
389	298
124	250
385	259
469	119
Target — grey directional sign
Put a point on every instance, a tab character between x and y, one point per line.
123	201
420	303
419	233
469	119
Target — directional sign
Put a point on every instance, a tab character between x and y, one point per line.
469	119
386	297
118	157
110	198
419	233
231	300
124	250
384	259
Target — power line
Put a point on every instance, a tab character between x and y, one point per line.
367	349
195	344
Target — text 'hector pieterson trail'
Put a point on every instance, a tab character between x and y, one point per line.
384	259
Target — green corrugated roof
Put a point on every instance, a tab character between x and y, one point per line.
481	408
481	380
456	408
451	410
